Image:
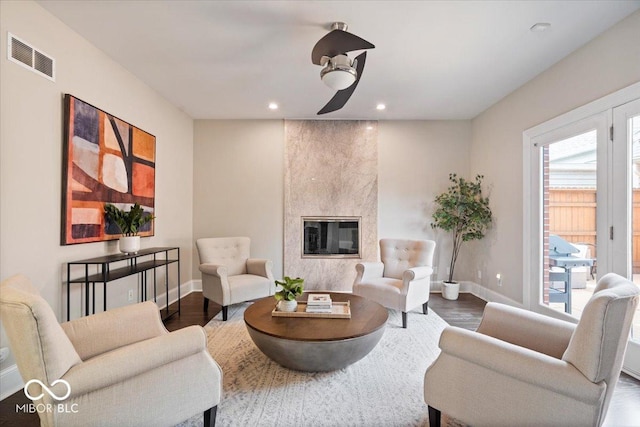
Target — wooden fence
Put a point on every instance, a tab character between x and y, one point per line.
572	216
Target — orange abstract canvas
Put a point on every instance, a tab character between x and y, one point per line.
106	160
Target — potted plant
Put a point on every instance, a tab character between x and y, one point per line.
290	289
129	223
464	212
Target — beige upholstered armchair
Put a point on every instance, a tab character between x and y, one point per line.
229	276
522	368
402	280
120	367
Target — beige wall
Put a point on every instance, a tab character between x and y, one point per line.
31	152
604	65
415	159
238	173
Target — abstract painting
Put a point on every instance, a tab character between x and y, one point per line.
105	160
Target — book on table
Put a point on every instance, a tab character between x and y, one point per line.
319	299
319	303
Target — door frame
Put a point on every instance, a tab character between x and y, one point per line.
531	215
622	198
599	122
532	250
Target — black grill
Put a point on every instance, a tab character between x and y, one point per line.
561	255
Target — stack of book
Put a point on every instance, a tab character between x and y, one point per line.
319	303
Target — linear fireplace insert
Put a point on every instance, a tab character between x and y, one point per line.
331	237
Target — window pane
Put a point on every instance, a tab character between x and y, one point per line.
569	232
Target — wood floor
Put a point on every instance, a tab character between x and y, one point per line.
466	313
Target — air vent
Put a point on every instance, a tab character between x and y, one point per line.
22	53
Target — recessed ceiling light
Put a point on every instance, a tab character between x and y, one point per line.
369	127
273	106
540	27
380	107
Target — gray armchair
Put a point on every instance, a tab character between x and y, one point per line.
402	281
521	368
229	275
120	367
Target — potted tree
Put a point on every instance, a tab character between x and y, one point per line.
464	212
290	289
129	223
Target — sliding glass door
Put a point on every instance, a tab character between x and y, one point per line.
625	203
572	173
582	219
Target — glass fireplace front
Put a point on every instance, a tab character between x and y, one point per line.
331	237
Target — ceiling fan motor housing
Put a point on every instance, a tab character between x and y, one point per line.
339	72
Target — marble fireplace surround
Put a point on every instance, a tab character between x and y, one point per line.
331	170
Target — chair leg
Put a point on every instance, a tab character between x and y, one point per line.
210	416
425	308
434	417
224	313
206	303
404	320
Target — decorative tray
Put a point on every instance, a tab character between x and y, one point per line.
339	310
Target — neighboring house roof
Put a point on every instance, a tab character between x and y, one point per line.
572	162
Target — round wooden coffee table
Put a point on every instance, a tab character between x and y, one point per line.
316	344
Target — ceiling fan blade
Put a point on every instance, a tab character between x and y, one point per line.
337	42
342	96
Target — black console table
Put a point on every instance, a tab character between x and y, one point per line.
129	264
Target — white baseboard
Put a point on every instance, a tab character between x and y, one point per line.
480	291
492	296
185	289
10	381
466	287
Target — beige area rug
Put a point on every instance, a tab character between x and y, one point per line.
383	389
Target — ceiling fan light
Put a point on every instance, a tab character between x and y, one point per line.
339	79
339	72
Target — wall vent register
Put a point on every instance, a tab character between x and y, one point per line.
22	53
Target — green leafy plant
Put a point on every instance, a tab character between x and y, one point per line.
464	212
129	222
290	288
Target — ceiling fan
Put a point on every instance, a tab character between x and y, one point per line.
340	72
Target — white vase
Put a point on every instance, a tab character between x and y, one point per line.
129	244
290	306
450	290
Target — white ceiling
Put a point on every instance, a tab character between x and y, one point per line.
433	59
